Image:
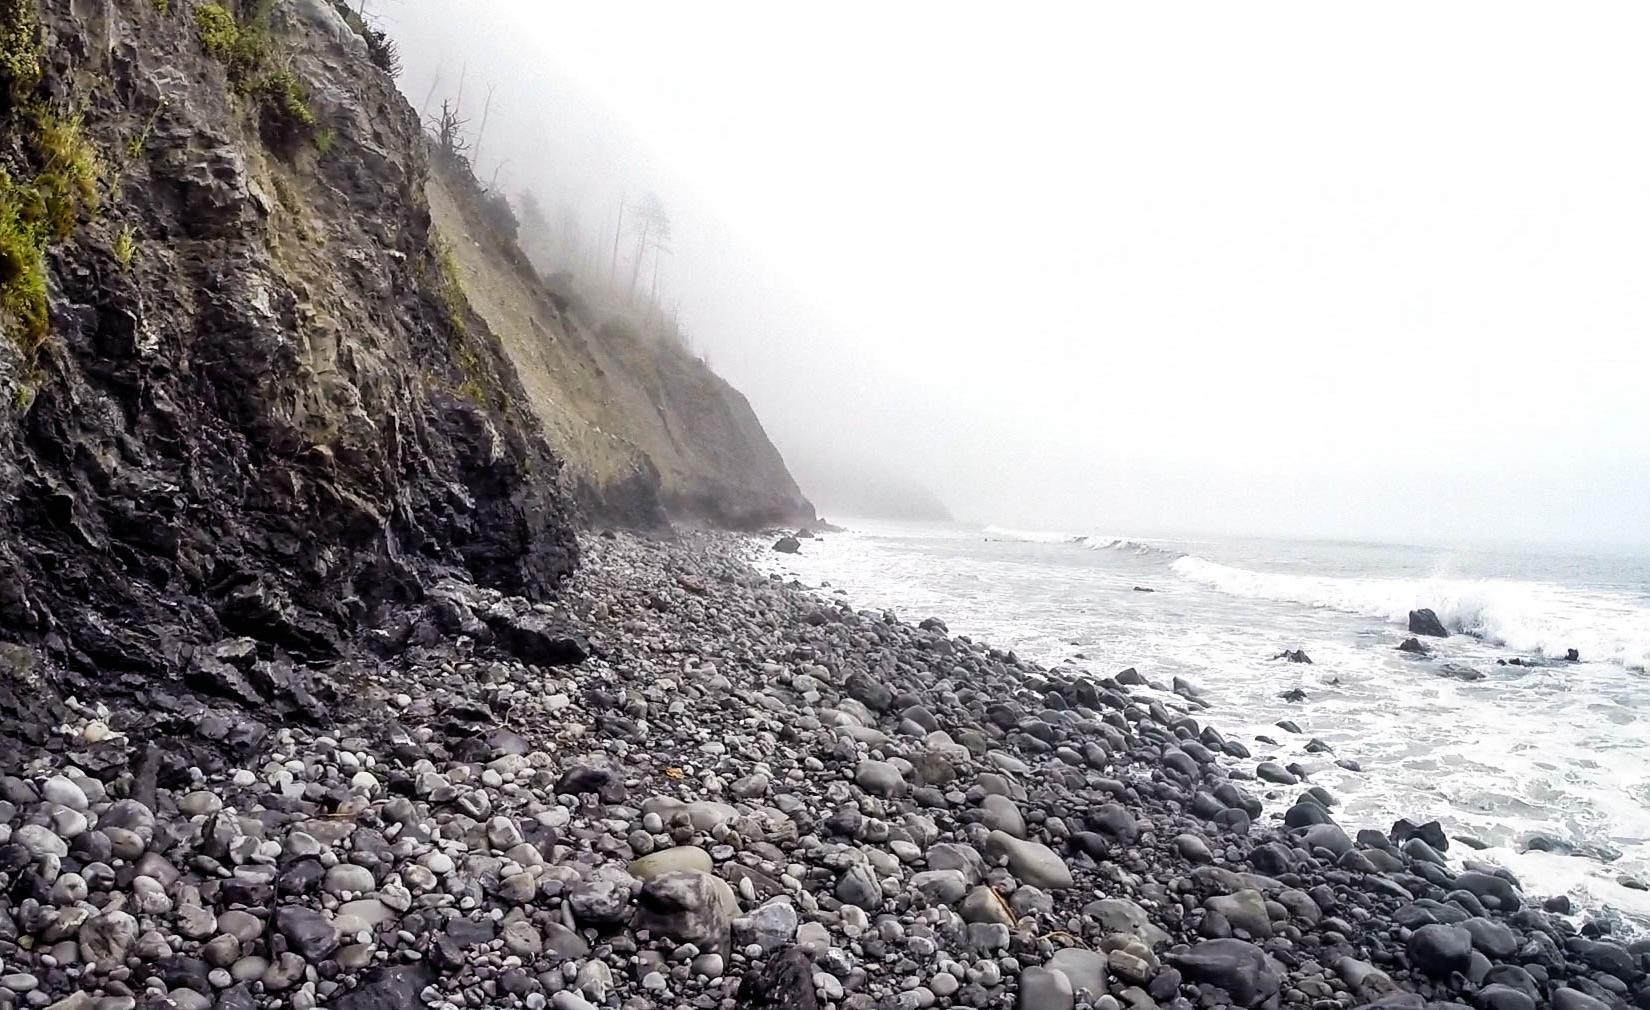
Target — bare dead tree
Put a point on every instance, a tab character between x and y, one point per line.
492	184
424	110
448	129
618	227
653	306
481	131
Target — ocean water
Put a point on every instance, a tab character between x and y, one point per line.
1555	753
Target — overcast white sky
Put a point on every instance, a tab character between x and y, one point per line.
1294	268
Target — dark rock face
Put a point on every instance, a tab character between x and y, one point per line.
787	545
1413	645
1425	622
266	424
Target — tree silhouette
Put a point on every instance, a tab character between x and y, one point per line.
652	227
448	129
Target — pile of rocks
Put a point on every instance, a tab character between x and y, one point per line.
740	795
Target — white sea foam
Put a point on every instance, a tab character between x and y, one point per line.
1533	617
1137	545
1028	536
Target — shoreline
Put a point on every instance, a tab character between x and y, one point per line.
1537	764
745	795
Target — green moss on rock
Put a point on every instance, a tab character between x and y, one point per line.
22	265
20	47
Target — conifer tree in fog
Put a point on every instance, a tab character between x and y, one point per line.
652	227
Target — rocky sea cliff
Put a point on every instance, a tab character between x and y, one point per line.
319	688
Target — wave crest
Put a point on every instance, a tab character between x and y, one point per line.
1133	545
1531	617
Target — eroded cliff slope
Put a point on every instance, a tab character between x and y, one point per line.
647	429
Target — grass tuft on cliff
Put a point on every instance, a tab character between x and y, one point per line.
449	287
245	50
286	96
72	169
35	212
219	34
22	265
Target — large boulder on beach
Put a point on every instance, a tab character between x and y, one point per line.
1031	862
1045	989
388	988
859	886
539	640
1239	967
1245	910
879	778
787	545
785	982
1494	891
1425	622
1122	915
1085	968
1438	949
105	939
689	905
1574	999
681	857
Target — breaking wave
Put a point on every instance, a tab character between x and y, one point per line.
1533	617
1094	542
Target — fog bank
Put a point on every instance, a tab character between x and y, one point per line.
1307	270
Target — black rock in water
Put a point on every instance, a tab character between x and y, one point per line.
787	545
1144	589
1430	832
1413	645
1294	694
1425	622
1458	671
1294	656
